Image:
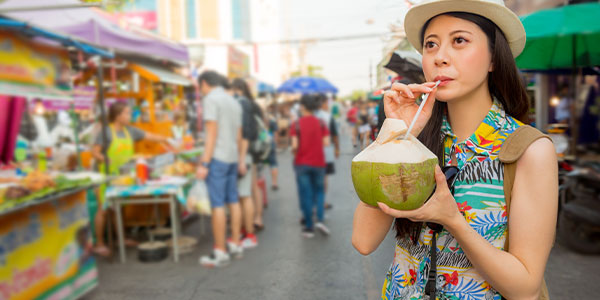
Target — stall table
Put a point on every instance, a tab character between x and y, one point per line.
169	191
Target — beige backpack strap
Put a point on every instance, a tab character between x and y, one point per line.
512	149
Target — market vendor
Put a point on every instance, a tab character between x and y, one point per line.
120	141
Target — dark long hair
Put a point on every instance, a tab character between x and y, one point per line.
504	84
241	85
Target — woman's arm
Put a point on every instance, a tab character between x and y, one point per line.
516	274
369	228
97	153
155	137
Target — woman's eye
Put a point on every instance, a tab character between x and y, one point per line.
429	45
460	40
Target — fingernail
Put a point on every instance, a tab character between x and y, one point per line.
411	94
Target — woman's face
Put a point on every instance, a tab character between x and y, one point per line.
125	116
456	52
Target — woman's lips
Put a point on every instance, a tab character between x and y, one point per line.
444	82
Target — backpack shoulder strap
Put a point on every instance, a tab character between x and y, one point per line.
512	149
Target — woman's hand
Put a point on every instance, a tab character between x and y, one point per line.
399	103
441	208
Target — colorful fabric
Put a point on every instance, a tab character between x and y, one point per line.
479	195
176	189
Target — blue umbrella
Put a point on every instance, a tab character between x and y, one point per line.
307	85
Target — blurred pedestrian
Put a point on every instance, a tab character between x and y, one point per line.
364	125
352	119
272	160
223	159
249	134
332	151
309	136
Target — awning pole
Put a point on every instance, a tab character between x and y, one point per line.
103	120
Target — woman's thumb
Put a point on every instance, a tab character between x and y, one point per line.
440	178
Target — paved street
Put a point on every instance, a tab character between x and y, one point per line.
286	266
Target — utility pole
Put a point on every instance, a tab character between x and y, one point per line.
371	74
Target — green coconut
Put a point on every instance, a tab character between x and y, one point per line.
396	171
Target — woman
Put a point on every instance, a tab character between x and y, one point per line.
121	138
309	136
364	125
470	46
247	173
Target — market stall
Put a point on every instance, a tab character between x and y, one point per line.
44	235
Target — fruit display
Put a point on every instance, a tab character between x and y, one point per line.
180	168
36	185
37	181
123	180
394	170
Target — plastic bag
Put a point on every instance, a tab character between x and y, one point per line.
198	200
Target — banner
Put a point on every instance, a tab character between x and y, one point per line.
29	63
239	63
45	251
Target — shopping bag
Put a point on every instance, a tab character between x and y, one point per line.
198	200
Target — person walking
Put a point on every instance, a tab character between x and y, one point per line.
469	47
223	159
332	151
249	134
272	159
309	136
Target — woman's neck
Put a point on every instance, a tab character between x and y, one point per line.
118	126
466	113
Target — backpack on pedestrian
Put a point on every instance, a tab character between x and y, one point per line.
260	147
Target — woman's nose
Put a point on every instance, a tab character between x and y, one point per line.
441	56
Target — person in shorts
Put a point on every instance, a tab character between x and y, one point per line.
221	162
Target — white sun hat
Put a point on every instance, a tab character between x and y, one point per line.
494	10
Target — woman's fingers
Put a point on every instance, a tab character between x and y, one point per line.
419	88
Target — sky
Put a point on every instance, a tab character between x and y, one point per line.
345	63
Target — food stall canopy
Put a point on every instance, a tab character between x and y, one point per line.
566	37
157	74
90	25
35	91
66	41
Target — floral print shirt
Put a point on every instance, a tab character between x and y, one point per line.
479	195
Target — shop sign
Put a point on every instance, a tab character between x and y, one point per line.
45	251
239	63
142	19
29	63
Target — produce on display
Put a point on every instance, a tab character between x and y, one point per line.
180	168
36	185
396	171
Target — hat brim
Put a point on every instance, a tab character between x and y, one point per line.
503	17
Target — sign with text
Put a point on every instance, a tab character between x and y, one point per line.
45	251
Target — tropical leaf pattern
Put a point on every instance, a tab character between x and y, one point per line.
479	198
491	225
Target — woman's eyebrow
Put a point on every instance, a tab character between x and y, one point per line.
451	33
459	31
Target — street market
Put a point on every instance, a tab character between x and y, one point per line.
206	149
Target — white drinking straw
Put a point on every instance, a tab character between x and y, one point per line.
414	120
